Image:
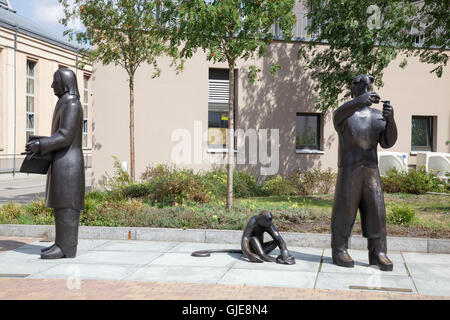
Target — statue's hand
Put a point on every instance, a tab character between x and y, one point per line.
388	112
32	147
370	97
285	258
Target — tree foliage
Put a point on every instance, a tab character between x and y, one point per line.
125	33
355	37
227	30
434	24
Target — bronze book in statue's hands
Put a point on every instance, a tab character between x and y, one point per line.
35	162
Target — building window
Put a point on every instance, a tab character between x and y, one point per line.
420	39
422	133
308	131
218	91
85	111
30	98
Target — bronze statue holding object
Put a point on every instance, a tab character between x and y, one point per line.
65	178
361	129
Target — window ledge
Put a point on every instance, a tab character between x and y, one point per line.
414	153
209	150
309	151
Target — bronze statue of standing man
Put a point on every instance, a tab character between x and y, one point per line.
65	178
360	129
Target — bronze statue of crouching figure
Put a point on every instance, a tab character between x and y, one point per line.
253	246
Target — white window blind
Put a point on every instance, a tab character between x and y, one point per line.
218	91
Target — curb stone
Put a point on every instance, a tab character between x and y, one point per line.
313	240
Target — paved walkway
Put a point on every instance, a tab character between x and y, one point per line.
117	269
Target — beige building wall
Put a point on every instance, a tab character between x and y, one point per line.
48	58
168	106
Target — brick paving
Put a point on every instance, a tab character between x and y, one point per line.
54	289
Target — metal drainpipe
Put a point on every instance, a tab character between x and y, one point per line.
15	98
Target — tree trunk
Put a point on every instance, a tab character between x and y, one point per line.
230	138
132	154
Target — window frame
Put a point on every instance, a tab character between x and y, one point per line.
86	79
30	76
318	146
223	147
431	137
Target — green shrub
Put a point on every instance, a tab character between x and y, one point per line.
245	185
216	182
38	213
400	214
301	183
10	213
120	178
278	186
413	181
166	185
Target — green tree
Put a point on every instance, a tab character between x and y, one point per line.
434	24
228	30
355	37
125	33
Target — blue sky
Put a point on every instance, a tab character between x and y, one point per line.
45	12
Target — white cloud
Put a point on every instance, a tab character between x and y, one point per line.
50	12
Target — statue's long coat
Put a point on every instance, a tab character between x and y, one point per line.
65	178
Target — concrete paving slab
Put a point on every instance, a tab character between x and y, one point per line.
300	265
116	257
178	274
413	257
303	253
23	267
429	271
166	234
185	259
86	271
83	244
15	256
306	259
189	247
271	278
433	286
34	256
343	281
137	246
361	259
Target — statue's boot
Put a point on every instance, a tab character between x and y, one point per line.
339	245
342	258
54	253
66	242
48	248
377	254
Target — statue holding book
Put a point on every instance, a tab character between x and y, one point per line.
61	157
